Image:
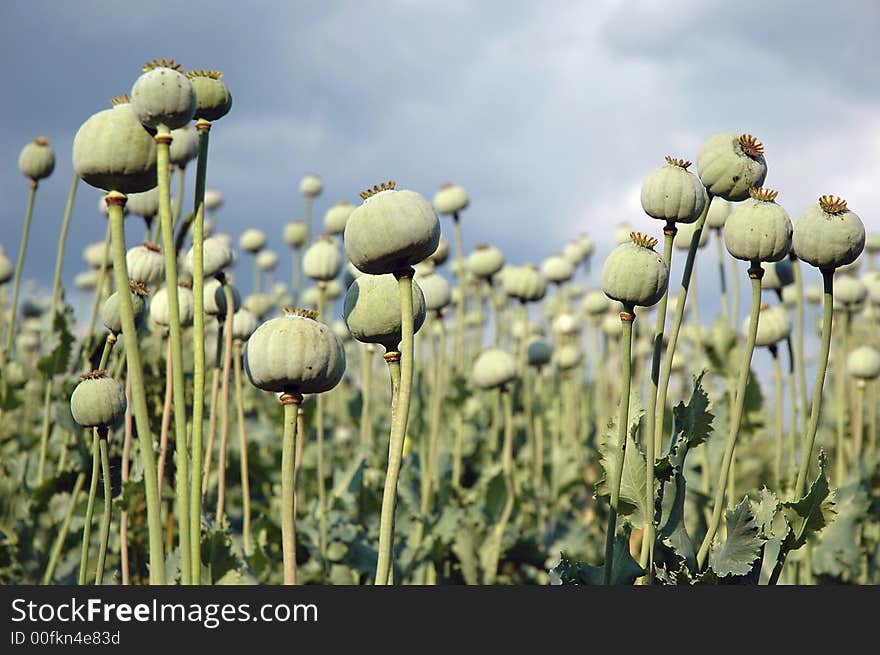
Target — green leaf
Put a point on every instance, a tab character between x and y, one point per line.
634	484
624	571
694	420
811	513
743	544
55	362
764	511
837	553
671	529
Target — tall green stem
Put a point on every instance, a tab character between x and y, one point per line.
16	285
115	203
224	402
398	429
627	317
178	199
841	404
242	441
61	537
366	384
459	302
777	417
99	296
163	142
291	403
319	421
799	338
509	489
104	536
756	273
90	509
719	244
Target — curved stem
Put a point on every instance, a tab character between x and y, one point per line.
663	387
224	403
288	492
166	420
135	370
61	537
90	509
104	536
108	348
756	273
777	417
198	335
212	408
398	429
509	488
16	285
242	440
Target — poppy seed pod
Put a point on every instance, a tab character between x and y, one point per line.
213	99
441	253
216	256
595	303
450	199
311	185
622	232
634	274
337	216
731	164
213	199
684	235
557	269
568	357
718	212
243	324
97	401
779	275
774	325
296	234
322	260
485	261
525	283
159	307
391	230
539	352
259	304
672	193
184	146
110	313
221	302
372	310
146	264
267	260
493	368
437	292
6	269
95	255
828	235
252	240
163	96
145	204
849	290
758	230
863	363
294	353
37	159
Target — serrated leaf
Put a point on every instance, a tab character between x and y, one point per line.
56	361
634	484
742	546
694	420
838	553
764	511
811	513
671	529
624	571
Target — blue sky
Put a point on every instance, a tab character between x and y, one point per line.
549	113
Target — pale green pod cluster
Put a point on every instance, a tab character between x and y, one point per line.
97	401
436	290
441	253
485	261
243	324
758	230
778	275
213	99
216	256
37	159
557	269
267	260
634	274
372	309
336	217
685	233
672	193
718	212
163	96
184	145
311	185
322	260
6	269
828	235
113	151
391	230
568	357
296	234
145	263
863	363
774	325
539	352
252	240
849	290
294	353
450	199
110	313
493	368
731	164
525	283
144	204
159	308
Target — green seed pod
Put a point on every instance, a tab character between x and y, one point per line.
595	303
863	363
685	233
213	99
85	281
337	216
266	260
557	269
310	297
97	401
372	310
572	252
216	256
163	96
311	185
789	296
828	235
585	243
485	261
849	290
391	230
539	352
252	240
568	357
332	290
243	324
566	324
758	230
294	353
622	232
110	314
95	255
213	200
423	268
113	151
450	199
493	368
441	253
220	300
208	289
718	212
671	193
774	325
37	159
322	260
259	304
159	306
436	290
525	283
295	234
634	274
6	269
731	164
145	204
778	275
184	146
722	337
146	264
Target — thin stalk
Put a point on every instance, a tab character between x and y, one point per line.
722	278
841	401
178	199
398	429
734	311
539	450
108	348
297	273
90	509
799	339
319	424
104	535
96	303
366	384
212	409
646	556
44	432
858	423
16	285
61	537
198	335
181	477
224	403
756	273
459	303
291	403
135	370
627	317
509	489
126	454
242	440
437	403
777	417
872	416
307	217
166	420
666	373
